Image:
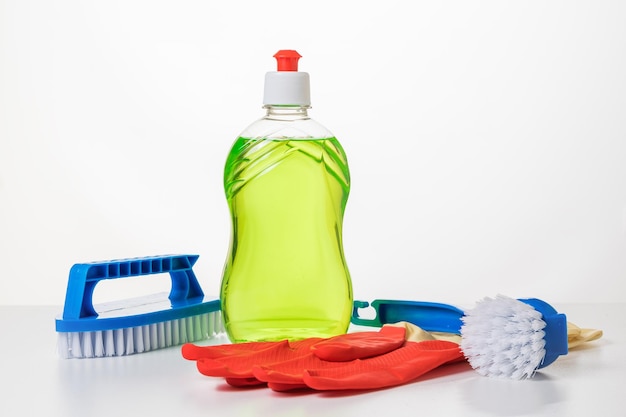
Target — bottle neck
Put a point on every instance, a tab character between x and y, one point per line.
286	113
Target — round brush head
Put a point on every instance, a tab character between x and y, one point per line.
508	338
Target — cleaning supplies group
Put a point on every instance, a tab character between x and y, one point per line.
286	292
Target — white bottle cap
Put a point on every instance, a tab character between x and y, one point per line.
287	86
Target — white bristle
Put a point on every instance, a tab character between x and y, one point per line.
175	333
197	329
195	325
76	347
503	337
154	336
108	346
189	328
98	348
129	346
115	346
145	338
63	346
182	327
122	342
138	339
168	335
204	324
160	336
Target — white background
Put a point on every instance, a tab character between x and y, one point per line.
486	140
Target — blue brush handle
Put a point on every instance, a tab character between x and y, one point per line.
432	317
555	330
85	276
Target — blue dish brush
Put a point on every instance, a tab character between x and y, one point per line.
500	337
135	325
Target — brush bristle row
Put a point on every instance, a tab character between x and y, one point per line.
503	337
120	342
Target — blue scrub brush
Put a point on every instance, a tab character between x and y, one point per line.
135	325
500	337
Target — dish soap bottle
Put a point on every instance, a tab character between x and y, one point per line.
287	182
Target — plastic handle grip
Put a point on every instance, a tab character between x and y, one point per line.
433	317
84	278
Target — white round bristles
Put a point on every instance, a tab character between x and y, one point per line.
503	337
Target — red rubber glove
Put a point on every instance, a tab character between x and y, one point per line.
365	360
347	347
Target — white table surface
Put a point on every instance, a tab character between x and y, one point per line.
589	381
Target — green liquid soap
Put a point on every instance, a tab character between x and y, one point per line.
285	275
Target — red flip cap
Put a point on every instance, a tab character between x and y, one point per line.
287	60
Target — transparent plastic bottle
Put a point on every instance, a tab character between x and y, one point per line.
287	183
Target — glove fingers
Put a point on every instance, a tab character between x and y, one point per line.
397	367
291	372
241	379
274	386
287	378
287	372
360	345
212	367
240	365
244	382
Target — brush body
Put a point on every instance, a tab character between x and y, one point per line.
135	325
503	337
